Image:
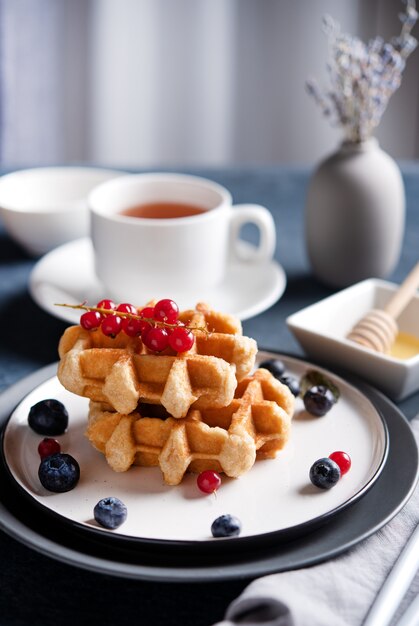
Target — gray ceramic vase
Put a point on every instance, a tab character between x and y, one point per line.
355	215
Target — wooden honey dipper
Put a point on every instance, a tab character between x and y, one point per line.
378	329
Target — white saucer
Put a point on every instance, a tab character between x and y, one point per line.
66	275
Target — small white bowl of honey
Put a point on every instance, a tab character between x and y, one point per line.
322	329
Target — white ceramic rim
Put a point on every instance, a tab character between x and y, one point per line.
197	181
19	176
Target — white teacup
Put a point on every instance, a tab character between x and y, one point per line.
158	255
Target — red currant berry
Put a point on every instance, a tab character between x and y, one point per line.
106	304
343	460
47	447
125	307
156	339
166	311
145	327
132	327
111	325
91	320
208	481
148	312
181	339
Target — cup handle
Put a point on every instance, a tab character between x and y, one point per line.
262	218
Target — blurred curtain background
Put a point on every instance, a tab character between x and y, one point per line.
145	83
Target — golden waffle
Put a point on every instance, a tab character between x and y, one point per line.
255	425
121	372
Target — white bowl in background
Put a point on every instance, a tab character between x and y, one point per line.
45	207
321	330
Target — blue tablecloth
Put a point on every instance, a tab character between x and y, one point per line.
39	590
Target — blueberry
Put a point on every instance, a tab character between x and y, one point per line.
324	473
110	512
226	526
48	417
59	472
318	400
292	383
275	366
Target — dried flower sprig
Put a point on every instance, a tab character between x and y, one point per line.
363	76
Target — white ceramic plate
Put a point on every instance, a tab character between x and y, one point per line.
66	275
275	495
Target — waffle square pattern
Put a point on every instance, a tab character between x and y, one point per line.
121	372
254	425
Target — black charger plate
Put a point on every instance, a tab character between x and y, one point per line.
386	497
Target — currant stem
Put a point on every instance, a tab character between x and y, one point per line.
152	321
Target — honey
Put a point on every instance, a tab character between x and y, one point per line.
405	346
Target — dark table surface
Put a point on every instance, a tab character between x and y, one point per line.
38	590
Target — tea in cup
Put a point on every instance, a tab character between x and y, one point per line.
160	233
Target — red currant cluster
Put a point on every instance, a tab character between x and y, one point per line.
158	326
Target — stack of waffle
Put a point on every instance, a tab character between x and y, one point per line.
196	410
